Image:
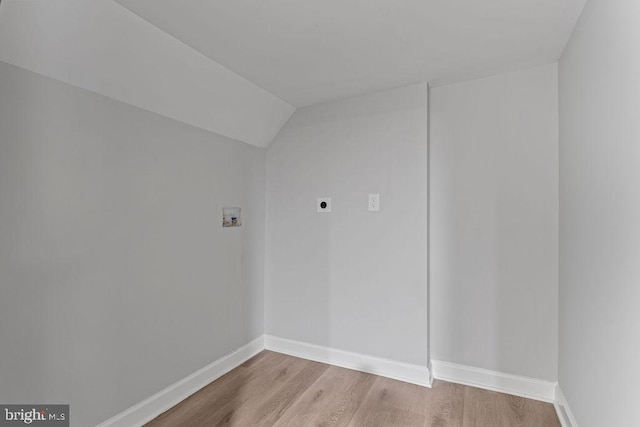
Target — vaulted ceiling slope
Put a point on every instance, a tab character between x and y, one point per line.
240	67
103	47
312	51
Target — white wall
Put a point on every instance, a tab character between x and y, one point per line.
101	46
600	215
116	278
352	280
494	223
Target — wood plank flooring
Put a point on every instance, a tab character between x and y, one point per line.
274	389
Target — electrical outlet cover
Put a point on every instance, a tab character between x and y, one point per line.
374	202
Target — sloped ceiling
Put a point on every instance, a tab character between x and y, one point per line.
239	68
310	51
101	46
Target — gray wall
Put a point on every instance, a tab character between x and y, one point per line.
600	215
351	279
116	278
494	223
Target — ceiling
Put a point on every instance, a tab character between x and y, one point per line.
100	46
308	52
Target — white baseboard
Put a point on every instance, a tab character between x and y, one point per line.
531	388
562	409
410	373
160	402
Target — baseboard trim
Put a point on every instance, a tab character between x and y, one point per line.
531	388
410	373
562	409
160	402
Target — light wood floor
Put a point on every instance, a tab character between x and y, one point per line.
273	389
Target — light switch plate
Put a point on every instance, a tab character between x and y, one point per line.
324	204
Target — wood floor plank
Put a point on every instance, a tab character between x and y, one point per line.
269	408
392	403
276	389
547	415
262	357
513	410
445	405
202	401
215	396
249	396
330	401
480	408
519	411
